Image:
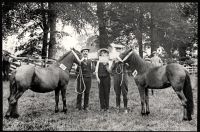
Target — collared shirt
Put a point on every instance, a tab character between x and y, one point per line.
84	59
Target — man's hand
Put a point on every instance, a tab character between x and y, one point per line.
98	80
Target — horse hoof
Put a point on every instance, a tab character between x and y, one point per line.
143	114
126	111
187	119
7	116
56	111
15	115
148	112
65	111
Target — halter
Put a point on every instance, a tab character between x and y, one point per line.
80	74
127	56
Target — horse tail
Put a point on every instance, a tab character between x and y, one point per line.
187	90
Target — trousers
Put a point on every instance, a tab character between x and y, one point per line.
104	92
121	89
87	81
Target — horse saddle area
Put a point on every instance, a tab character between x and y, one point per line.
157	79
45	78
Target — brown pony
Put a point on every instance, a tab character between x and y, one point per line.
41	80
152	77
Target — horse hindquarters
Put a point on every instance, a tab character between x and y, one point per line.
20	81
180	82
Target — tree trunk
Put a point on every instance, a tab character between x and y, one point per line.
52	42
103	37
153	46
140	33
45	35
182	50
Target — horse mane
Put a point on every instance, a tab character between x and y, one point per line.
63	56
138	63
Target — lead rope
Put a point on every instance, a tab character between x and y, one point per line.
121	72
81	77
122	69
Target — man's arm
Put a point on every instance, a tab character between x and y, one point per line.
96	72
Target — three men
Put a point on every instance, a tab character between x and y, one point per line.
102	70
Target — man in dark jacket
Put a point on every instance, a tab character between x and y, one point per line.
120	75
84	80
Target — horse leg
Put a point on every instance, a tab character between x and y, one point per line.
124	93
12	111
13	105
63	92
57	91
142	98
147	100
183	101
7	73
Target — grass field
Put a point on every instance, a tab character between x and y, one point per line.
37	112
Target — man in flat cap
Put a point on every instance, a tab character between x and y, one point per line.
84	82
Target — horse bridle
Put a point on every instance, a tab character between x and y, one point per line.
126	57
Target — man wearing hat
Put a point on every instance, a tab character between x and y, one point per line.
103	78
120	79
156	60
87	69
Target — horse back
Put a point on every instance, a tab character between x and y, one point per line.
156	77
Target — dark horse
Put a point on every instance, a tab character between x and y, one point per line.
42	80
5	65
159	77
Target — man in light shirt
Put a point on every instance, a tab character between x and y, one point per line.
103	78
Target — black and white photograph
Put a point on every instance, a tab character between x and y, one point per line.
99	66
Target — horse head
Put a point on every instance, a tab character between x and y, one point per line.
77	54
124	56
